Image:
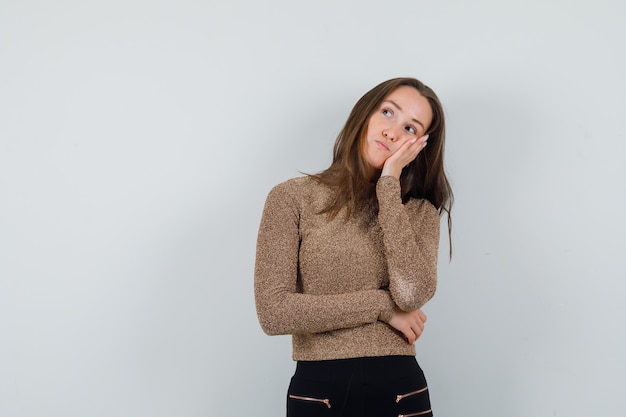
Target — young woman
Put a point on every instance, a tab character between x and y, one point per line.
346	259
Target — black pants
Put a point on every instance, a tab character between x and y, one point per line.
388	386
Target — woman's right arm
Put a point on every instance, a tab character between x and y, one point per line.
281	308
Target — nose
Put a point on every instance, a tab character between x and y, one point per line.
389	134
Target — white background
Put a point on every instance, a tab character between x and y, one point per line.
139	139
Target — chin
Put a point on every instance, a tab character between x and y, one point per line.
377	165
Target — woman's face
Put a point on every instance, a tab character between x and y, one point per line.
403	115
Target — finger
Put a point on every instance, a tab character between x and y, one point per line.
417	333
420	144
418	328
410	335
406	154
418	316
410	149
422	315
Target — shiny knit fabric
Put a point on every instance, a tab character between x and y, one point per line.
334	284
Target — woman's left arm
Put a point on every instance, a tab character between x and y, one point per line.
411	243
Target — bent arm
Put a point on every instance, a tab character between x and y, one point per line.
411	241
281	307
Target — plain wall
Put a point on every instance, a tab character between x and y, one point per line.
139	139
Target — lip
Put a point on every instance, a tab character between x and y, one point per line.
382	145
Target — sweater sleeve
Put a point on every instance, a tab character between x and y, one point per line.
281	307
411	242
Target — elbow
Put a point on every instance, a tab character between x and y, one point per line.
272	314
412	296
270	323
269	328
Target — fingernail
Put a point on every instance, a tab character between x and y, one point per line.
413	140
426	138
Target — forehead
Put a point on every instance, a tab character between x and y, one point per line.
411	102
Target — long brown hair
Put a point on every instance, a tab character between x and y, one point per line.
353	178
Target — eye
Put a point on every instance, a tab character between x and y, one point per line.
411	130
387	113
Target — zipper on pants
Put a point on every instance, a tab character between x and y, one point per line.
421	413
403	396
316	400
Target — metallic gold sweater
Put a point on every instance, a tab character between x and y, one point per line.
334	284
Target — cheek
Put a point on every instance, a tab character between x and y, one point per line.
371	154
365	147
373	124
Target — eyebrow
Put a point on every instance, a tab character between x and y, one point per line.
400	108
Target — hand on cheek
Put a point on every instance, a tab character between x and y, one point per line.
403	156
